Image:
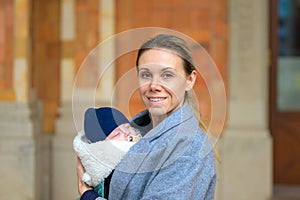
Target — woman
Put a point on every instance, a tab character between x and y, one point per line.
174	159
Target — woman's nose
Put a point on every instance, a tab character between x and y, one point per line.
155	85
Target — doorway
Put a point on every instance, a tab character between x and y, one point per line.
285	90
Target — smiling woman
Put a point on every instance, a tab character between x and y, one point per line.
170	52
174	159
163	82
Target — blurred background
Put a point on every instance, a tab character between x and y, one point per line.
43	44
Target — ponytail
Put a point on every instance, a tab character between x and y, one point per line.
192	100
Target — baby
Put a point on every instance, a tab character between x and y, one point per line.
106	138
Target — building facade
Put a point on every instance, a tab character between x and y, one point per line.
44	45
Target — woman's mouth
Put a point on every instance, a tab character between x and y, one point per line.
156	99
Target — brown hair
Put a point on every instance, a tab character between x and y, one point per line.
173	44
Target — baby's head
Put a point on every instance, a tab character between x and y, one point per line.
108	123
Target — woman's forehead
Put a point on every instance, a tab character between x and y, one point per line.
160	59
155	54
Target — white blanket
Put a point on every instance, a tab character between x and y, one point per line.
99	158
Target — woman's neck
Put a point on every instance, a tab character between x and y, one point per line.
155	122
157	119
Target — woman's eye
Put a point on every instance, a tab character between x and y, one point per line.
145	75
167	75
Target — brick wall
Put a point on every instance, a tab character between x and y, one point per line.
6	51
204	21
45	58
87	36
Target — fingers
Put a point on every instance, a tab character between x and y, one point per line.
80	172
82	186
80	169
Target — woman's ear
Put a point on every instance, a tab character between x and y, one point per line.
190	81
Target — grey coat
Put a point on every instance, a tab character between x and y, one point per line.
174	160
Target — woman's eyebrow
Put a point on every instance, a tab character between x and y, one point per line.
169	68
143	68
163	69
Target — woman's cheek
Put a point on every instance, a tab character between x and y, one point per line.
142	91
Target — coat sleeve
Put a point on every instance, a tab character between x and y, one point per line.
90	195
186	178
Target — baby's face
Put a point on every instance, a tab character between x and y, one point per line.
123	132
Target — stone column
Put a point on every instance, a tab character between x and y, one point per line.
64	182
63	159
24	150
245	170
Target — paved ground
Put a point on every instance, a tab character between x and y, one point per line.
286	192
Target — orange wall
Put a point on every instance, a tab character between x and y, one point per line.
6	50
86	34
45	58
204	21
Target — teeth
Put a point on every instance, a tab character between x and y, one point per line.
156	99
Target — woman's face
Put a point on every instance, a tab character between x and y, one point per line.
163	81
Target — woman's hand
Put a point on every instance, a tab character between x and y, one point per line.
82	186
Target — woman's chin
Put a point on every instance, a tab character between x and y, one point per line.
157	111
